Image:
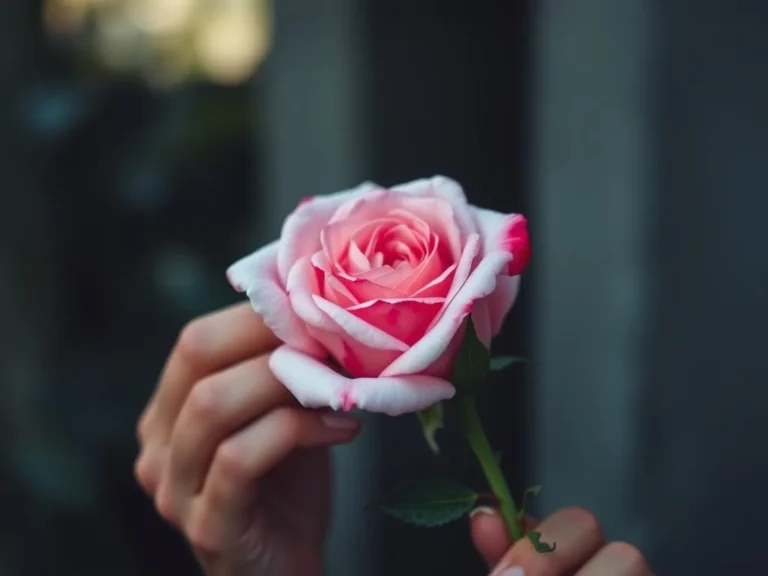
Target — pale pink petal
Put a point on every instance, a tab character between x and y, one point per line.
357	260
428	350
441	218
439	286
500	302
257	275
447	189
365	289
428	270
300	234
507	232
315	385
407	319
357	329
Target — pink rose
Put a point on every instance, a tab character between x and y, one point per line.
382	281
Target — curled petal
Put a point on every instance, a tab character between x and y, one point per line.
435	342
300	235
500	302
256	274
405	319
508	232
315	385
357	329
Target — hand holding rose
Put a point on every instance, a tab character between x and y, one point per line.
364	303
244	474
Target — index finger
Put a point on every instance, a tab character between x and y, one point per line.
206	345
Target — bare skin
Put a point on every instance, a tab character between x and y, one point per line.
236	465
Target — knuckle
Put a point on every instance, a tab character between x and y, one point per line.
232	461
145	471
205	398
165	505
192	341
629	555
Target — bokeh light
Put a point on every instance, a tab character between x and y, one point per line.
167	42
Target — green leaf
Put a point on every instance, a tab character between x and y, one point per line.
472	361
532	492
430	503
431	420
538	545
500	363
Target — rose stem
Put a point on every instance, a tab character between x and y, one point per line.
473	430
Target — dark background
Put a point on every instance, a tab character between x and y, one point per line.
634	135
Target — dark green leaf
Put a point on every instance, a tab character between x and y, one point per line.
499	363
472	362
431	420
431	503
539	546
533	491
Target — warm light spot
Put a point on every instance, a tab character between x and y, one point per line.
161	16
233	42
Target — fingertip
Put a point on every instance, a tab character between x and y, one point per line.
489	534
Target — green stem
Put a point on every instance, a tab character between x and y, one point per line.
473	430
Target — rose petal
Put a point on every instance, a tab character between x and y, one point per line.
257	275
357	329
500	302
428	350
507	232
406	319
300	234
447	189
315	385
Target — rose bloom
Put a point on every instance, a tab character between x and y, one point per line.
382	280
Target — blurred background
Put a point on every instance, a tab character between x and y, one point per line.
146	144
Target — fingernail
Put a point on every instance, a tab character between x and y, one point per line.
482	510
340	421
515	571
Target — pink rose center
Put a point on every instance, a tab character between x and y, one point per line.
391	263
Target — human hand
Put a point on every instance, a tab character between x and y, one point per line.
230	458
580	549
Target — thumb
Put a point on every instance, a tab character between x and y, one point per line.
489	534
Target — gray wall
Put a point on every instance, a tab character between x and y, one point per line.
651	315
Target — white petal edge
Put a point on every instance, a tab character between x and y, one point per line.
256	275
300	234
315	385
481	283
448	189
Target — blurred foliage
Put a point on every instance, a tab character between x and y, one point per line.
147	196
167	42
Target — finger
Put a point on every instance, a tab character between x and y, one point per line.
206	345
216	408
489	534
617	559
577	535
224	509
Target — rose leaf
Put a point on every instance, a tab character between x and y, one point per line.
431	420
531	492
472	362
501	363
539	546
430	503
